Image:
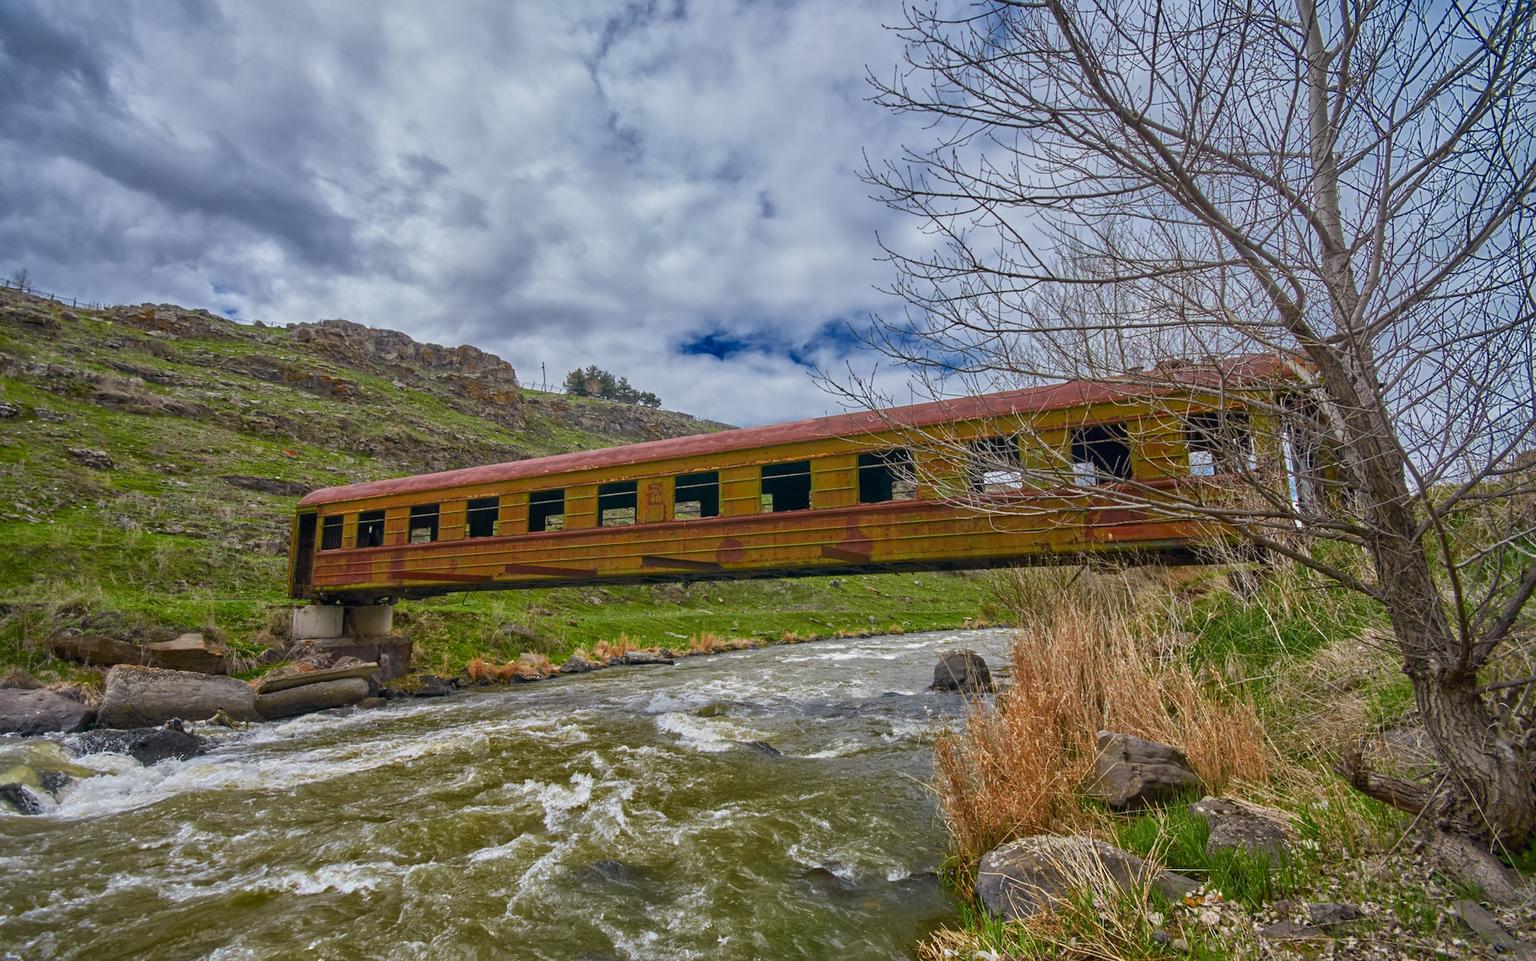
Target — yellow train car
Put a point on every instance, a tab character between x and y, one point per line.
999	479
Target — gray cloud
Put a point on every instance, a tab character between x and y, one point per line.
559	183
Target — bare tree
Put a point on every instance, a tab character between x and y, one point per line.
21	279
1142	192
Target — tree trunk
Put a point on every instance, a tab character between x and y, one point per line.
1490	782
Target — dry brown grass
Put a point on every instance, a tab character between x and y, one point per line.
616	648
705	643
1019	764
481	671
529	666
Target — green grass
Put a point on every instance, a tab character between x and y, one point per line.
1177	838
1290	619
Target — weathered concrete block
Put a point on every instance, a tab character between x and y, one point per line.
317	621
150	696
370	620
190	652
311	697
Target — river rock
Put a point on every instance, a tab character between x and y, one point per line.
149	745
1132	772
149	696
1020	880
1239	826
21	799
576	664
33	712
962	671
647	657
97	650
293	701
190	652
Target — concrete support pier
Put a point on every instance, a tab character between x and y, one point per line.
363	631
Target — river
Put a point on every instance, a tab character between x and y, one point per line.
765	804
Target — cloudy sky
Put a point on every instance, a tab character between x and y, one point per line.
667	190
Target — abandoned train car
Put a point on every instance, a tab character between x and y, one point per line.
981	481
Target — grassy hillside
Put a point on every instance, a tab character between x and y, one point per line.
151	457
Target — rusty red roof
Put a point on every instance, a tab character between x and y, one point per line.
1246	369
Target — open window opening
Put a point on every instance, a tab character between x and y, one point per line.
995	465
786	487
482	517
546	511
423	528
696	495
1220	442
887	475
1101	454
370	529
330	533
617	503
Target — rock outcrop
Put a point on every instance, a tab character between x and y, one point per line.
1131	772
33	712
1019	880
149	696
963	671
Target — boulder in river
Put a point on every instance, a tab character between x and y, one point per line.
149	745
962	671
1132	772
33	712
1020	880
576	664
149	696
293	701
20	798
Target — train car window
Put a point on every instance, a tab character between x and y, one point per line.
330	533
1220	442
696	495
423	529
786	487
1101	454
886	475
546	511
370	529
617	503
482	516
996	465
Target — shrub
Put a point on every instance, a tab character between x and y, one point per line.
1017	766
